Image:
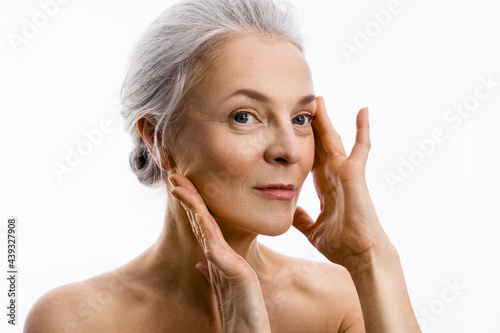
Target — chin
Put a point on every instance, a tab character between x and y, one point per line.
276	227
267	225
247	213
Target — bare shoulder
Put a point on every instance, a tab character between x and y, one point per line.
327	281
52	312
313	277
338	287
325	289
77	307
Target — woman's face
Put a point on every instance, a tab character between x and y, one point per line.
247	142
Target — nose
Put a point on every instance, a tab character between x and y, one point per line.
283	146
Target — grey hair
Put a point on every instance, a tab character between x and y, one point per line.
163	64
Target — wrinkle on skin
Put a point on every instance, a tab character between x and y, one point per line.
209	150
218	156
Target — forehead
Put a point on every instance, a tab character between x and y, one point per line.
273	66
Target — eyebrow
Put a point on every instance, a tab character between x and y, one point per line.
258	96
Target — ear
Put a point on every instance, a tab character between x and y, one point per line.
146	126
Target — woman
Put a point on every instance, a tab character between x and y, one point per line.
220	104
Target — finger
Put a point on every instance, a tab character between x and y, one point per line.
192	201
362	145
208	233
302	221
220	254
193	204
204	225
330	140
179	180
187	193
320	154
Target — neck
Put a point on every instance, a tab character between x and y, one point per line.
178	243
170	262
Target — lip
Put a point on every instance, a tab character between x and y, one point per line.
277	191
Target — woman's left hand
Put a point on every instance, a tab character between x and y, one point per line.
347	231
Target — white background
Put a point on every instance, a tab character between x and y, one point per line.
443	217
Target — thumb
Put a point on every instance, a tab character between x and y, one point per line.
302	221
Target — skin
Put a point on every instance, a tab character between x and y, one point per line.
206	271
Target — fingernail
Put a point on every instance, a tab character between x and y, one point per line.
174	194
172	181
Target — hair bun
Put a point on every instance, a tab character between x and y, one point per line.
142	157
148	173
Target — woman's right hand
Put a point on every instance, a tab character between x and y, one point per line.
234	282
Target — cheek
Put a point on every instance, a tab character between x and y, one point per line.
221	162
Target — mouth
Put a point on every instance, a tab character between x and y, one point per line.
277	191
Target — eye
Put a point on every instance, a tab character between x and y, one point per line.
244	117
303	119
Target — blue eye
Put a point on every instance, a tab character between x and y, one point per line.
303	119
243	118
